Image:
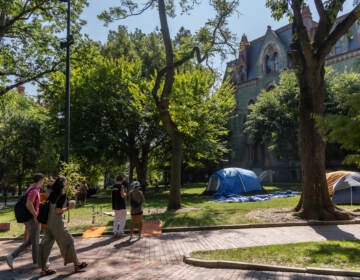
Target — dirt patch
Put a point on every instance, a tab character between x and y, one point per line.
282	215
274	215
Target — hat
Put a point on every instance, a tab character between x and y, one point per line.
135	184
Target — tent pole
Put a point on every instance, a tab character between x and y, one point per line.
243	184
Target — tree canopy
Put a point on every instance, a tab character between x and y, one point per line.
30	36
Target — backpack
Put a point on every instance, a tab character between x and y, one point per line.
43	212
22	214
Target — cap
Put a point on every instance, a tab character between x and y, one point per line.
135	184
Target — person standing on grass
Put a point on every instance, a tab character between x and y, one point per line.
83	190
32	226
137	199
118	197
56	231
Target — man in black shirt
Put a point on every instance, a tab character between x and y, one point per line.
118	196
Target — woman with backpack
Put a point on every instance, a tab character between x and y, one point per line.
32	227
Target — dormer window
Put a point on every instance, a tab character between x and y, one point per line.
271	61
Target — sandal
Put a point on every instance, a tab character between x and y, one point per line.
47	272
80	266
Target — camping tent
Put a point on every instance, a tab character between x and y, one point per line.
333	177
233	180
346	190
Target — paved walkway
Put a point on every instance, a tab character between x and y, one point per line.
161	257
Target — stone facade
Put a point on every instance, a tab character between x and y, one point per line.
257	67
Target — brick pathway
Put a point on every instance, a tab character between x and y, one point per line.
160	257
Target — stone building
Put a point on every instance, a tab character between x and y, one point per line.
257	67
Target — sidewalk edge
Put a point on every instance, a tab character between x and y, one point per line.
263	267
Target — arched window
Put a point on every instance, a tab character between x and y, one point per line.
276	62
268	64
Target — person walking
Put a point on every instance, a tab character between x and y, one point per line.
56	231
118	196
32	226
137	199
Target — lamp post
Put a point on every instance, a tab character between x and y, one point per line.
66	44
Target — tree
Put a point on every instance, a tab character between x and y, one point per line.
29	39
344	128
113	119
213	38
202	114
22	137
273	118
307	55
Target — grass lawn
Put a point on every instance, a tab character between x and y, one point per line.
196	210
324	254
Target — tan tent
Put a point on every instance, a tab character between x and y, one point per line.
332	177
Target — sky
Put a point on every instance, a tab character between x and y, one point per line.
252	20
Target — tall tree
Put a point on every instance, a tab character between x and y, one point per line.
307	55
30	35
22	136
210	39
342	126
273	119
202	112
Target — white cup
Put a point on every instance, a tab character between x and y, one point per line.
72	204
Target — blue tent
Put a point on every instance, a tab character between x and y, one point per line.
233	180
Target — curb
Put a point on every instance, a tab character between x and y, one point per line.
244	226
221	227
263	267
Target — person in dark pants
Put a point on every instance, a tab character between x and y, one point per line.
57	231
32	226
118	197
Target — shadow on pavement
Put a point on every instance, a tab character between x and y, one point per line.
126	243
333	233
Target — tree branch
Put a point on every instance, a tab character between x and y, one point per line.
339	31
26	80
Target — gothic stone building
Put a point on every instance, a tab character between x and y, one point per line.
256	68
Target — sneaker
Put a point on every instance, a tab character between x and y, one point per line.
10	261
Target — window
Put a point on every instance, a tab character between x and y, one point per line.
271	60
276	62
268	64
338	47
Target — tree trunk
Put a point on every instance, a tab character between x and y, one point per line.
141	166
315	203
132	160
174	201
163	105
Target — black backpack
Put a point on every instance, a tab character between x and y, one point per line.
22	214
43	212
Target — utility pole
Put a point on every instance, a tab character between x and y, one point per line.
66	44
